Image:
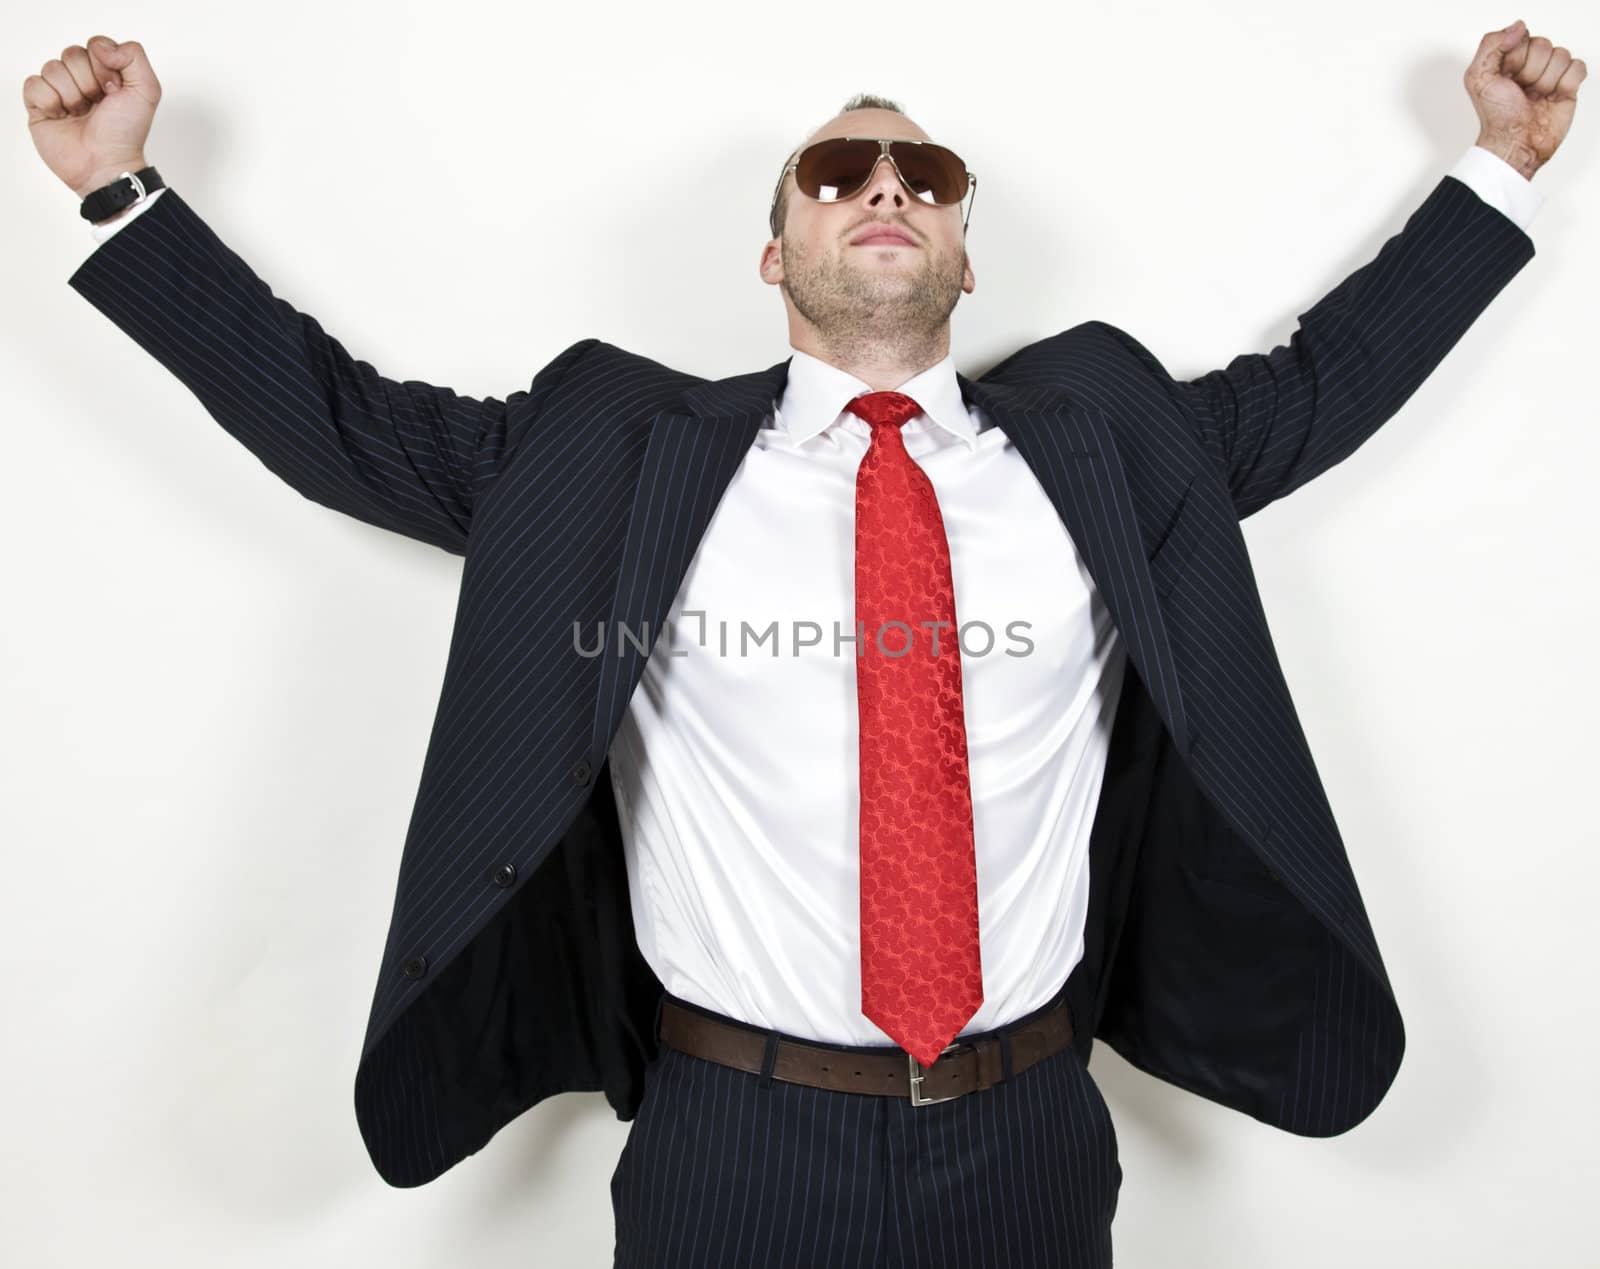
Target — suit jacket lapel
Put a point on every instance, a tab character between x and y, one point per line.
692	455
689	460
1069	445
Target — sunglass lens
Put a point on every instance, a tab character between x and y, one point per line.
836	169
935	173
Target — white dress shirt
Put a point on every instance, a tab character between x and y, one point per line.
735	765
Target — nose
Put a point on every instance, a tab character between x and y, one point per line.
885	182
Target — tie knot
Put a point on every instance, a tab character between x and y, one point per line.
884	409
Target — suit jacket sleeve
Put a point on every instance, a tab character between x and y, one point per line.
403	455
1274	420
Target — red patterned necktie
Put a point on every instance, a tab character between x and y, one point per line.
921	977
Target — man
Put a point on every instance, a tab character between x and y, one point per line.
712	884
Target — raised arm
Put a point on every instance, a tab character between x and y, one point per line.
1275	420
403	455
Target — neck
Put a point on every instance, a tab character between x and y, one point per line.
882	364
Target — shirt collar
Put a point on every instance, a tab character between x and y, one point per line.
817	392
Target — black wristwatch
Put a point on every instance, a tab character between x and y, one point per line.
121	194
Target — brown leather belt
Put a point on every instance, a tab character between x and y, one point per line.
965	1066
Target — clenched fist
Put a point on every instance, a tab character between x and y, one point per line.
1525	91
89	112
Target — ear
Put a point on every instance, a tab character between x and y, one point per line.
969	283
771	266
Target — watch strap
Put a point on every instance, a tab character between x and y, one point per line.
121	194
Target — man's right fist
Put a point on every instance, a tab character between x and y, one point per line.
90	111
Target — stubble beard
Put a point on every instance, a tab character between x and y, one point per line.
871	313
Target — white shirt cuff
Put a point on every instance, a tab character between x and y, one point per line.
1499	184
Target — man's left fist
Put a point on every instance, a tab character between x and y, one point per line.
1524	91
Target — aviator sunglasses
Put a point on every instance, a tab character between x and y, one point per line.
836	169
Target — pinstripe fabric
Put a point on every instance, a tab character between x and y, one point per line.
1232	954
718	1171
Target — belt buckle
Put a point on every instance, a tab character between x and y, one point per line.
916	1072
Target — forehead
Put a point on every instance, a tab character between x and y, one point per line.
869	123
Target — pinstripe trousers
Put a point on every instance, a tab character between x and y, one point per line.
722	1169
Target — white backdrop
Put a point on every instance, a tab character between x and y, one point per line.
217	693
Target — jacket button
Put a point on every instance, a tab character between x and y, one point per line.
504	875
415	966
580	773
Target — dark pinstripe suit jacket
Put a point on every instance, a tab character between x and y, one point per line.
1228	951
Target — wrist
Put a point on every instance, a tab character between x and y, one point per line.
107	175
1518	154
